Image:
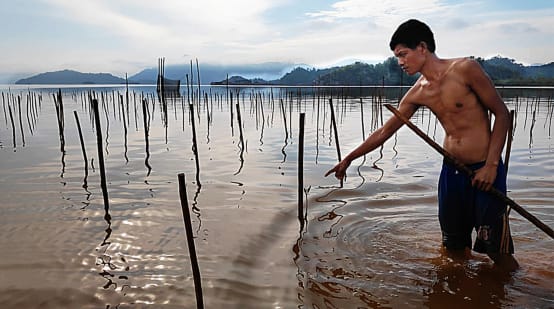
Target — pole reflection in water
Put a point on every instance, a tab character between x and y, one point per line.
146	120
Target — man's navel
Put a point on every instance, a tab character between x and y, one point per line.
459	105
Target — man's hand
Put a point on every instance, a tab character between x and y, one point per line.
484	177
339	169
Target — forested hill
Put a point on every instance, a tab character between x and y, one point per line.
503	71
70	77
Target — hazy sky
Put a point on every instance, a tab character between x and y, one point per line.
126	36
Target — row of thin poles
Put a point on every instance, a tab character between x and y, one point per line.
15	117
182	189
257	109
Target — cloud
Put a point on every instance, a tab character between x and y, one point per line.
518	27
457	24
127	35
172	21
382	10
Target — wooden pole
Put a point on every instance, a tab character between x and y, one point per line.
301	171
334	124
146	120
82	147
20	120
13	125
101	155
4	106
59	111
239	120
461	167
510	139
190	241
194	144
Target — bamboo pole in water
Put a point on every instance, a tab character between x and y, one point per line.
301	171
60	113
190	241
20	120
239	120
198	78
334	124
29	111
146	120
4	106
461	167
335	131
510	139
194	143
82	145
13	125
100	152
103	185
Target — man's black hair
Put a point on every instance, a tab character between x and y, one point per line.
412	32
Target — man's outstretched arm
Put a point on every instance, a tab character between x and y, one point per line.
376	139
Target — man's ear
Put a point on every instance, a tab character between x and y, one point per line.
423	45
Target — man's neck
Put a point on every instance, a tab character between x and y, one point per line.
433	68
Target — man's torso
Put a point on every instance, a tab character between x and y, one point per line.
457	107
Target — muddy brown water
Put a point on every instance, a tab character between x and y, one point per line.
374	243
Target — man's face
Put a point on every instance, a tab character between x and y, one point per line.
410	60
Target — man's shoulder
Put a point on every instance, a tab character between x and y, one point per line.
463	63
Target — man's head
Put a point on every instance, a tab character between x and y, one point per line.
411	33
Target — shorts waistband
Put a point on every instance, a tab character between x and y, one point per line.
472	166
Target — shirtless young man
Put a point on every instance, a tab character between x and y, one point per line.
460	94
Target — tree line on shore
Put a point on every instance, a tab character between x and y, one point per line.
503	71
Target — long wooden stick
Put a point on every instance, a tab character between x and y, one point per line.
301	171
509	142
190	241
460	166
334	125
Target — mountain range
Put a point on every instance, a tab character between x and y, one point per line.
208	74
503	71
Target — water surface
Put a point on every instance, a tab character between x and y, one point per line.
374	243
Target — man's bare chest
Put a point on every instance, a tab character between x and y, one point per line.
446	97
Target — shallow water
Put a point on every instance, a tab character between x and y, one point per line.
374	243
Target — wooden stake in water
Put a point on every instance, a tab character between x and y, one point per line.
100	153
103	185
194	143
146	119
301	171
60	113
239	120
190	241
82	147
13	125
510	139
20	120
334	124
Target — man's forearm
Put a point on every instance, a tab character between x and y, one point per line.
498	137
373	141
